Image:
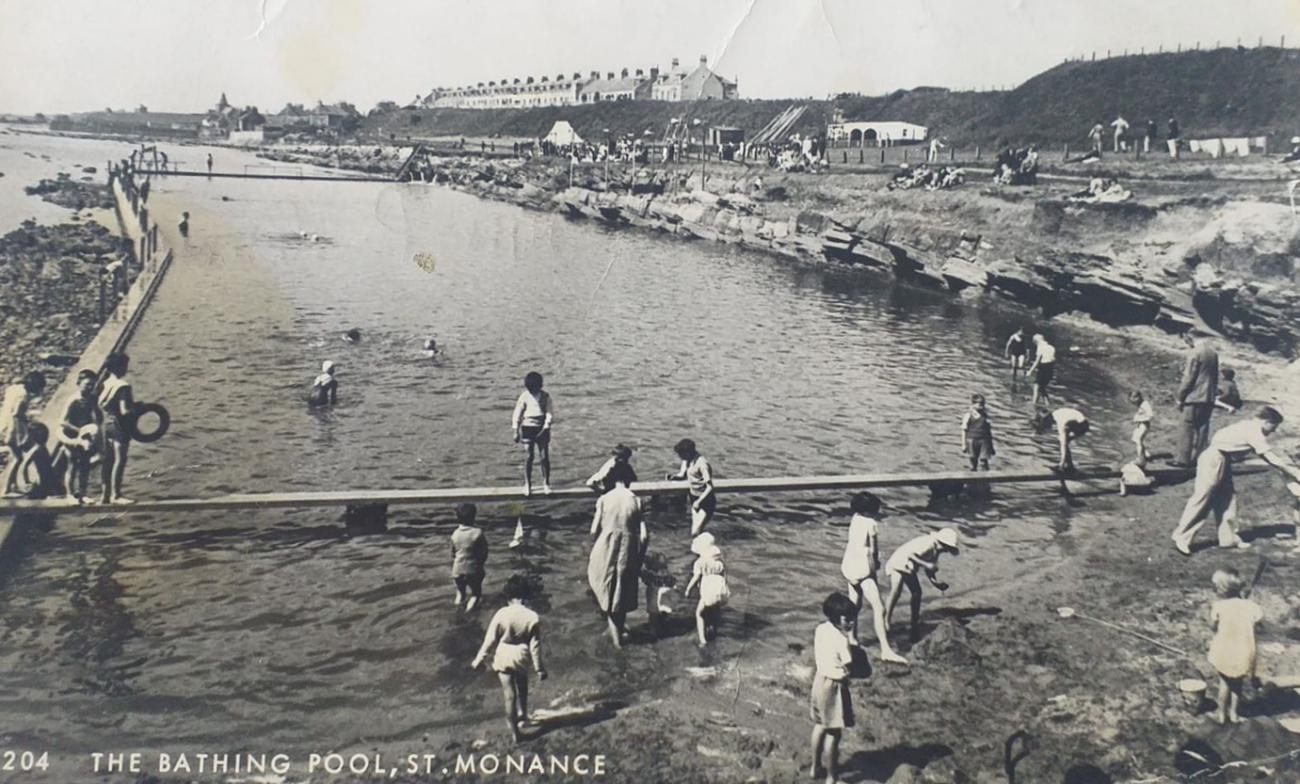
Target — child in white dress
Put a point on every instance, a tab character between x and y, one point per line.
710	576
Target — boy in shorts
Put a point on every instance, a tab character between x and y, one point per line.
469	554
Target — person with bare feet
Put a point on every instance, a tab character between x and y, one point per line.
515	633
710	575
831	704
531	422
699	476
619	540
921	553
469	554
859	566
1232	651
117	404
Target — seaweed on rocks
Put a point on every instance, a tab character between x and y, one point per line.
75	195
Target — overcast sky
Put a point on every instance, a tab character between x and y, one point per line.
179	55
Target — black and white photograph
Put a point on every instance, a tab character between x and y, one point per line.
712	392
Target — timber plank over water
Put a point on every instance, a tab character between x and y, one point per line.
456	495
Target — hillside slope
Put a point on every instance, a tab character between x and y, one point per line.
1222	92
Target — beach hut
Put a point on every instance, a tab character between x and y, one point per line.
562	133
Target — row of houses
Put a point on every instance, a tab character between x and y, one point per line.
676	84
223	121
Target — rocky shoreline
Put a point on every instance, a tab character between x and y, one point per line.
53	278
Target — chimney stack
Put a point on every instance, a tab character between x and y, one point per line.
595	74
529	80
610	76
577	75
675	63
624	73
654	73
704	59
639	73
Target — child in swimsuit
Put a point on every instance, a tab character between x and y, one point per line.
699	475
78	436
1141	426
859	565
515	633
116	402
1016	351
977	434
325	387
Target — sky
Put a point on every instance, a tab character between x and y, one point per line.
180	55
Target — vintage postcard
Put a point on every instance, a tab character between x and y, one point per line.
731	392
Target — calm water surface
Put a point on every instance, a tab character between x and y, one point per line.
221	630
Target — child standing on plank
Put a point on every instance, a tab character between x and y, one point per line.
1232	651
1141	426
469	554
830	703
920	553
78	435
977	434
515	632
531	423
711	577
859	566
697	472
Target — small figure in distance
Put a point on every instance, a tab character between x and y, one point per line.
1229	397
1016	351
352	336
325	387
184	225
430	349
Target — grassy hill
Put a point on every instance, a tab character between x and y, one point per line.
1228	92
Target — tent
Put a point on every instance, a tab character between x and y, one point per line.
562	133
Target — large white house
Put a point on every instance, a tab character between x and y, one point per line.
875	133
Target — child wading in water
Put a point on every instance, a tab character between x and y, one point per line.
469	554
699	475
515	632
831	705
1232	651
711	577
1016	351
977	435
531	423
859	566
325	387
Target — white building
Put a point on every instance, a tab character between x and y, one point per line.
701	84
875	133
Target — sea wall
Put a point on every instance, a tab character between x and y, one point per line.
1224	265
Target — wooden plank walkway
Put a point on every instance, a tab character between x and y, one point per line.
456	495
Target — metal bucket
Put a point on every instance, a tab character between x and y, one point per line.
1193	691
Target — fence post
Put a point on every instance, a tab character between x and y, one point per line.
101	295
904	155
952	153
1065	152
882	153
144	249
977	152
845	158
862	155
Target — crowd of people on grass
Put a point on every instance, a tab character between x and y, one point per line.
925	176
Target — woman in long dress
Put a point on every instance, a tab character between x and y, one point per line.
619	541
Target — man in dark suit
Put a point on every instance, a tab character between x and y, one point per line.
1196	395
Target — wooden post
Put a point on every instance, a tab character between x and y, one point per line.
904	155
101	296
844	156
1065	151
882	154
977	152
862	155
144	243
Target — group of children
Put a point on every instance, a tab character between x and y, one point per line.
97	427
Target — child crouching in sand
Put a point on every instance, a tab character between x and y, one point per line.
711	577
1232	651
515	632
831	705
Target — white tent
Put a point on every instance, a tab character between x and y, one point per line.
562	133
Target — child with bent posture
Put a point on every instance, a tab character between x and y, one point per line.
515	633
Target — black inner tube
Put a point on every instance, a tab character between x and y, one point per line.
131	423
